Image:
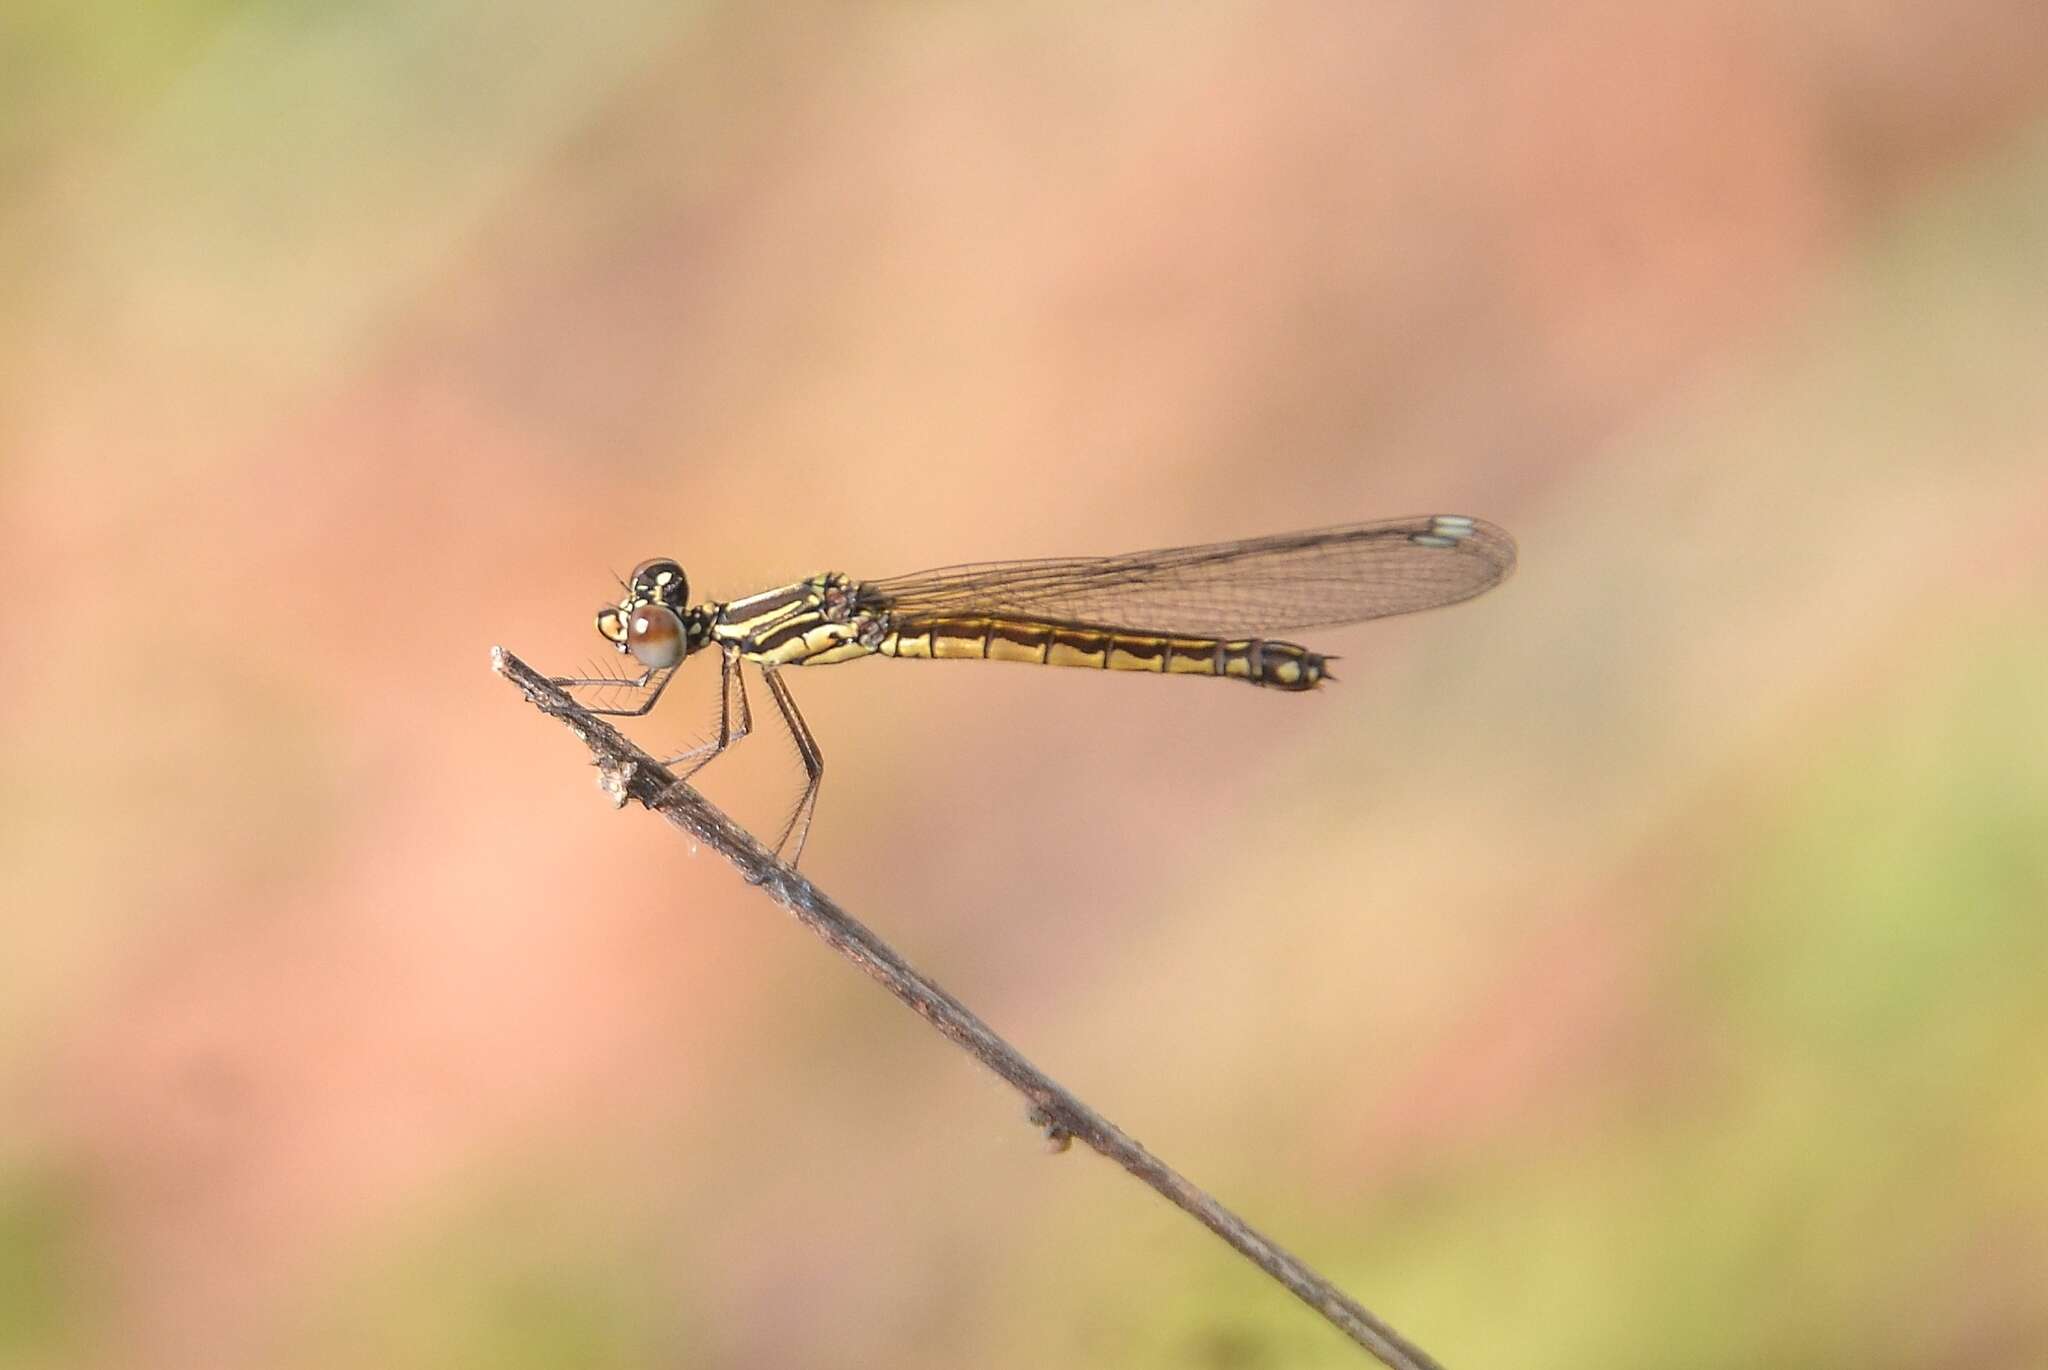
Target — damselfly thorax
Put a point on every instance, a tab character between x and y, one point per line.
1174	611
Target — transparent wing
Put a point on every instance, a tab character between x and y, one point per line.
1345	574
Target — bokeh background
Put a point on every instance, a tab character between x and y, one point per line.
1643	965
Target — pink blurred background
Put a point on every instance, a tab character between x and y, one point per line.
1644	964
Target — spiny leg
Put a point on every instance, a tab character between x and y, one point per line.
814	766
647	682
730	684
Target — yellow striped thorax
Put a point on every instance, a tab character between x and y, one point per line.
810	622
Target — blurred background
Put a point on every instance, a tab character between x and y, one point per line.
1644	964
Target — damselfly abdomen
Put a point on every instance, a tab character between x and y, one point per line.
1175	611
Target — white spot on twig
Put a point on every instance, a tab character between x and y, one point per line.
615	780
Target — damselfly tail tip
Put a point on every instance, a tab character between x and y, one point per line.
1324	675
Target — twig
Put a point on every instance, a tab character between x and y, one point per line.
629	773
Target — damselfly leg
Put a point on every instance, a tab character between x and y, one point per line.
814	766
687	763
652	682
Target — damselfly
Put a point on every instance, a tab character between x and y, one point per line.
1175	611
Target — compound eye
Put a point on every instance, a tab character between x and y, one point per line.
654	635
612	624
660	580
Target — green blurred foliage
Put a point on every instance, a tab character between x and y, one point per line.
506	1283
47	1306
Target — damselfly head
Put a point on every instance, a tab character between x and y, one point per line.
646	622
661	581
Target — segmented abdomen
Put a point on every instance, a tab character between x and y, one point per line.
1256	661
